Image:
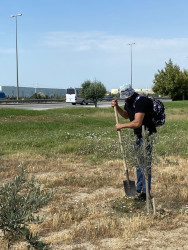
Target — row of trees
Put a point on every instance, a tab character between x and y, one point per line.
171	81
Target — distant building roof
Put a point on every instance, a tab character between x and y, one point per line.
149	91
114	91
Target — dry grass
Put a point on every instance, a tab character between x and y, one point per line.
81	215
171	180
177	116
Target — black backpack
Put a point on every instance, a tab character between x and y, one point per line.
158	111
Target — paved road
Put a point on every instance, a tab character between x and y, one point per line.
45	106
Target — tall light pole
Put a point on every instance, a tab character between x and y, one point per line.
131	44
17	54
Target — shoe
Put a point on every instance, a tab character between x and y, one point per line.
141	197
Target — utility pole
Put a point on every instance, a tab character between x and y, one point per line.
131	44
17	54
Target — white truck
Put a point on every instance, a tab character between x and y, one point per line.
72	96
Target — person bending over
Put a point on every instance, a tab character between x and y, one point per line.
139	110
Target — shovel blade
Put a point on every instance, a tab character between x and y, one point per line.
130	188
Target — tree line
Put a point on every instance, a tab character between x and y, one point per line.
171	81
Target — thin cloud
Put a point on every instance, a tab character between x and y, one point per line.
86	41
83	41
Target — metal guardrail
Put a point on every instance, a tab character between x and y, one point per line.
4	101
8	101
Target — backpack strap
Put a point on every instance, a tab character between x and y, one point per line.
136	99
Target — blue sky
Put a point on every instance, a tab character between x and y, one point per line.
62	43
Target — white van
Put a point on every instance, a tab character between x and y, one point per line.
72	96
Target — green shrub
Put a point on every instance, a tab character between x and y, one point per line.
19	202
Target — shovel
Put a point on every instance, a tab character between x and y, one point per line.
129	186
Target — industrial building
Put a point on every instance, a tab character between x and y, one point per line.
26	92
144	91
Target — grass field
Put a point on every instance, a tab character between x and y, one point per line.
76	151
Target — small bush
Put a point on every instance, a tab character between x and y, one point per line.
19	201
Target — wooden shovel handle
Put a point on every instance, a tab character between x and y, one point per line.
121	143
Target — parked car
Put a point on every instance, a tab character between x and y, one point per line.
2	95
108	98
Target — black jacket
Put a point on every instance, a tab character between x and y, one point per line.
142	105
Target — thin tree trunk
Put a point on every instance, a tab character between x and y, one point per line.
145	168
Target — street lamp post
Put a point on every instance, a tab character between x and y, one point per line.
17	54
131	44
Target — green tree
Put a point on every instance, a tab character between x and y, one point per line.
171	81
94	91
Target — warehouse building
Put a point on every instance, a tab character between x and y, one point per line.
26	92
